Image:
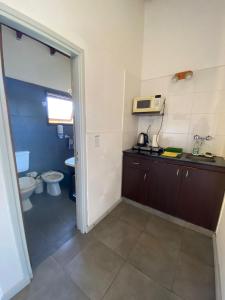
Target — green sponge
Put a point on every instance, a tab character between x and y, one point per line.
172	149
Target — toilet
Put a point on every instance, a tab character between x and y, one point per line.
52	178
27	184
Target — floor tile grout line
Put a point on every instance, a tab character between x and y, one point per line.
157	283
140	232
176	268
113	279
65	273
130	262
186	253
77	285
123	262
78	253
136	243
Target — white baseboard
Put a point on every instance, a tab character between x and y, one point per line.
104	215
16	289
217	270
170	218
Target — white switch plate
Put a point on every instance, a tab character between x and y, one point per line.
97	141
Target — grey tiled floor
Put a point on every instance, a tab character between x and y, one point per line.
129	255
49	224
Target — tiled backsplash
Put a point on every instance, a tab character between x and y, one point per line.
195	106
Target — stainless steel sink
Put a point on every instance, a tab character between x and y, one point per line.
200	158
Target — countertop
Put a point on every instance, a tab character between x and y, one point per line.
219	161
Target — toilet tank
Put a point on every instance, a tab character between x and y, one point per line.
22	161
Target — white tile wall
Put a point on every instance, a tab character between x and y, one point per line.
195	106
130	122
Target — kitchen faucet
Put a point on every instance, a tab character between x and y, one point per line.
199	140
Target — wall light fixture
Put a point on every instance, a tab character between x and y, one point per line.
182	75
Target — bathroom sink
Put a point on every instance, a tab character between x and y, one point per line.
70	162
200	158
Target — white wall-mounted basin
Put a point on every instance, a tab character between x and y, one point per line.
70	162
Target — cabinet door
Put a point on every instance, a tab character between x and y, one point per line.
163	185
134	182
200	197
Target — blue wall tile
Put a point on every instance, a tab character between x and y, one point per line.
30	129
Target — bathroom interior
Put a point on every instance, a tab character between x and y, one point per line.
40	109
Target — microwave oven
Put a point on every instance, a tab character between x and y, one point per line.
150	104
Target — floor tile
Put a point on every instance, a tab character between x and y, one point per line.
133	285
164	261
94	269
155	259
45	273
117	235
60	287
164	230
114	214
43	276
117	211
49	224
194	280
63	288
72	247
198	246
134	216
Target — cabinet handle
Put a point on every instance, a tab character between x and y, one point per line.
136	163
178	171
145	176
187	174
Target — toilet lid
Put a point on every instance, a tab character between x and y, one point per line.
26	182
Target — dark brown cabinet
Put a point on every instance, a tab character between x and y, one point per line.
135	174
163	185
200	197
194	194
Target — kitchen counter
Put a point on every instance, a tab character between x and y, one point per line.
219	161
190	190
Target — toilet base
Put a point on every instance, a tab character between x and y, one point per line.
26	204
53	189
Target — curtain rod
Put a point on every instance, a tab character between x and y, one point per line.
19	35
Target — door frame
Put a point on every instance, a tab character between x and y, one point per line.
32	28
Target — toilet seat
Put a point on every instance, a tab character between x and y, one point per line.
52	176
26	184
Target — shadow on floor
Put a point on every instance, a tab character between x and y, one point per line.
49	224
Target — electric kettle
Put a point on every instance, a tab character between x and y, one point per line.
142	139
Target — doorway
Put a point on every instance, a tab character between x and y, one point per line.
37	32
40	110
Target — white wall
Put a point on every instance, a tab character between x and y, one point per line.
110	32
9	251
181	35
30	61
178	36
130	122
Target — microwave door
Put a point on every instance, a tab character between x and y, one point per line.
144	104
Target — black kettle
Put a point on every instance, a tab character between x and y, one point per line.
142	139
